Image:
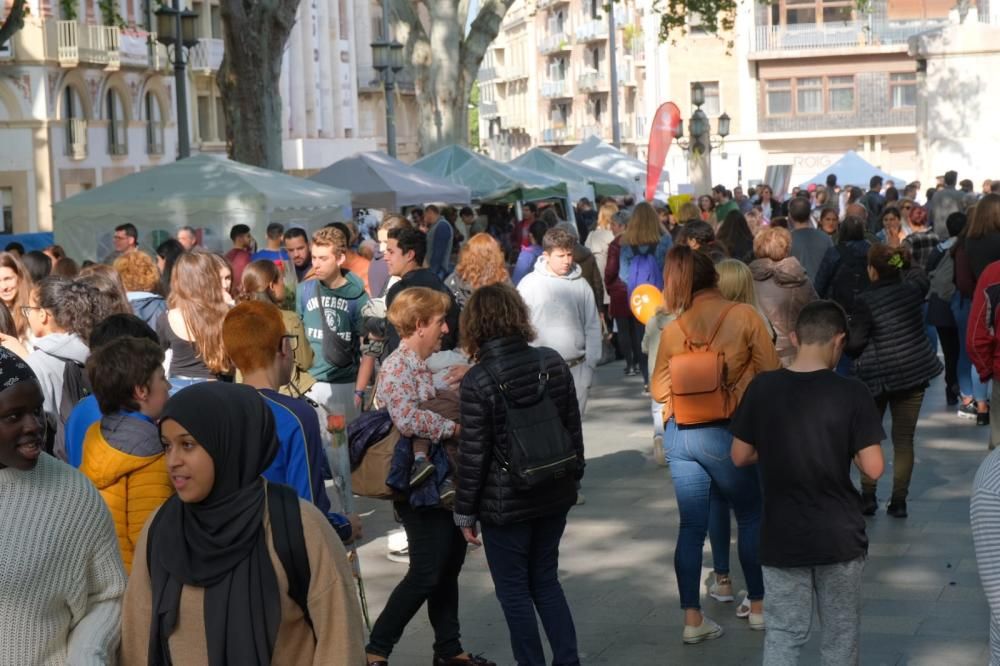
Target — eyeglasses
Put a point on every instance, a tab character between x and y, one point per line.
293	341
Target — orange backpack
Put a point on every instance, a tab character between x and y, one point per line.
698	380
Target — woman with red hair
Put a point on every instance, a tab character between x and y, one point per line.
480	263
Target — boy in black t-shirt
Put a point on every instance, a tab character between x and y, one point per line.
803	426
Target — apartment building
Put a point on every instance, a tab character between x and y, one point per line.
546	79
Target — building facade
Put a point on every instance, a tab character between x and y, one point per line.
546	79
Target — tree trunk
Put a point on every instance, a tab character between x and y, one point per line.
446	62
255	33
13	22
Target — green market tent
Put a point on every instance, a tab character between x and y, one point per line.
491	181
208	192
604	183
376	180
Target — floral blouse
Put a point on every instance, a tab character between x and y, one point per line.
404	382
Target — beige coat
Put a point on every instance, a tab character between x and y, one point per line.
333	605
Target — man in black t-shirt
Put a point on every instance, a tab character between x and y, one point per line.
803	426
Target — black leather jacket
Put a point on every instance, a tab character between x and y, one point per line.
484	489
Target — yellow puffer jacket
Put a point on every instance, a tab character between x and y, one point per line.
133	487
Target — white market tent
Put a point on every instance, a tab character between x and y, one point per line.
491	181
852	169
596	153
210	193
576	174
376	180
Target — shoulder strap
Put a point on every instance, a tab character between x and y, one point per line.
289	542
715	330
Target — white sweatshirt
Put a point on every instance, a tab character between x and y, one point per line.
61	574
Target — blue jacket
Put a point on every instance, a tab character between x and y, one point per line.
526	262
300	459
439	242
85	414
629	251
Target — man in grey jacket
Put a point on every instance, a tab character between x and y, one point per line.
563	309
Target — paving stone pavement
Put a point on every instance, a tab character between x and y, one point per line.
923	602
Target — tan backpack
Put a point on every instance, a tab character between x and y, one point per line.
698	379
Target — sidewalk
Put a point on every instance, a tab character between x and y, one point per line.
923	599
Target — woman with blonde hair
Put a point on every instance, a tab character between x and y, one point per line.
191	329
688	212
262	281
599	239
736	284
480	263
15	290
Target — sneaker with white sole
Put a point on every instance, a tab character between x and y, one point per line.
757	621
743	610
708	630
720	588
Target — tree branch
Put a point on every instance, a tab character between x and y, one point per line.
484	29
13	22
417	43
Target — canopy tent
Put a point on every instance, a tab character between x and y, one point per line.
606	158
491	181
603	183
852	169
376	180
207	192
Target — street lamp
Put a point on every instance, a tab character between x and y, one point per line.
176	27
387	59
701	142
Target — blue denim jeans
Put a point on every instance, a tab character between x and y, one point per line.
699	459
524	563
968	378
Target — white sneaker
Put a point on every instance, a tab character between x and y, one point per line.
397	547
707	631
720	588
743	610
757	621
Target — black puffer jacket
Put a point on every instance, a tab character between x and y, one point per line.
484	489
888	336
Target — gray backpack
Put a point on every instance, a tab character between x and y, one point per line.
943	277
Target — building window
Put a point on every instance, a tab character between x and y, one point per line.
809	96
799	12
841	94
713	105
76	123
598	111
216	18
205	118
595	58
903	90
595	9
154	125
220	120
7	209
779	97
117	124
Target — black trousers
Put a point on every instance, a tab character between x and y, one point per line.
948	335
630	333
437	552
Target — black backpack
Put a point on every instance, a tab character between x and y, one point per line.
539	447
75	387
850	278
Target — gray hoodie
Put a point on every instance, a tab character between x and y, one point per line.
563	312
49	369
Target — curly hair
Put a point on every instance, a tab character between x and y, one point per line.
495	311
138	271
481	262
71	302
774	243
111	297
417	306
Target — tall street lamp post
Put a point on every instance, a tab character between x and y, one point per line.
176	27
700	143
387	59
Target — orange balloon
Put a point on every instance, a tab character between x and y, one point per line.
645	300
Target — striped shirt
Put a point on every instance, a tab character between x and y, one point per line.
985	521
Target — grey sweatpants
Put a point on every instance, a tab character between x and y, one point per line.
790	593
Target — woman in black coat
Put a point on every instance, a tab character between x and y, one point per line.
894	359
522	526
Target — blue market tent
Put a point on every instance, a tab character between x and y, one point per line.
33	241
852	169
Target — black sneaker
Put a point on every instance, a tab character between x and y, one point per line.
897	509
421	471
869	504
447	493
982	418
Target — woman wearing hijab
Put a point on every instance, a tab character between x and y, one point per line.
210	588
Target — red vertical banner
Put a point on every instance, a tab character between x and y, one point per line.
661	135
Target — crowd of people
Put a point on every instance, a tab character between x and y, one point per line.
179	429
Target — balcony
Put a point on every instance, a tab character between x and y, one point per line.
205	57
810	37
593	81
556	135
140	49
626	72
555	42
487	74
584	132
71	43
594	30
545	4
488	110
76	138
556	89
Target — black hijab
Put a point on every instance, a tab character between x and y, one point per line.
218	544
